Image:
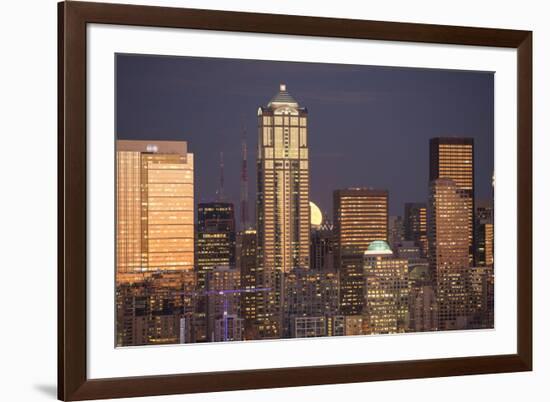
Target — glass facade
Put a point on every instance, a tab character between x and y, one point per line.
416	224
247	263
387	291
360	217
453	158
215	238
215	248
449	241
283	216
154	207
154	241
484	235
322	248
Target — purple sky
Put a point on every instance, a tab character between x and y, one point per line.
368	126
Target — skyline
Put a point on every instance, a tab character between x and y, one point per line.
153	91
185	278
376	285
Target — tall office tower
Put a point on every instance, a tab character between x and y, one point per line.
215	246
484	234
246	264
482	297
360	217
154	207
422	299
283	214
215	238
387	291
396	231
223	292
244	182
449	241
453	158
352	283
309	293
321	249
415	225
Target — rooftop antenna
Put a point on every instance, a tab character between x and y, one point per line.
221	189
244	178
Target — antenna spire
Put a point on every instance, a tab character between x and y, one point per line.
244	178
221	189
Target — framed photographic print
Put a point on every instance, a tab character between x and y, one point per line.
253	200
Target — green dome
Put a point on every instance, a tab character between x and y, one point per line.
379	245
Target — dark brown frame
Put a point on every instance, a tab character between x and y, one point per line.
73	383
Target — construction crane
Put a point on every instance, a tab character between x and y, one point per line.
224	293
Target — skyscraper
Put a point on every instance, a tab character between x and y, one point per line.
360	217
154	254
415	225
283	215
448	235
386	309
247	261
396	231
453	158
215	238
322	248
215	247
484	234
154	207
422	300
482	297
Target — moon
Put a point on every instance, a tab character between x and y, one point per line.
316	217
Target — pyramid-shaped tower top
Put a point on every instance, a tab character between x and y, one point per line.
282	98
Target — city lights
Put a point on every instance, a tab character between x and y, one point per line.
190	270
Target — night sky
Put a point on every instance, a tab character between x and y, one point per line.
368	126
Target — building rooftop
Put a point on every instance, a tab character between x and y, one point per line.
282	98
152	146
378	247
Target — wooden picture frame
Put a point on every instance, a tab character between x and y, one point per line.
73	17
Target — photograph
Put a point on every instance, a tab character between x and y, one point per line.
275	201
262	199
